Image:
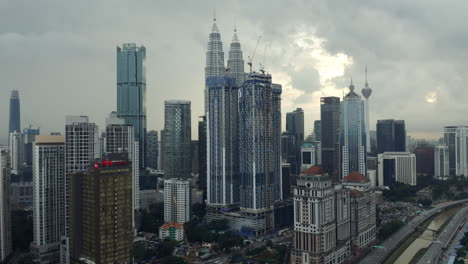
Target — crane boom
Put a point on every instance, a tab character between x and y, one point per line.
253	54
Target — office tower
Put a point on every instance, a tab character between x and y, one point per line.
318	152
276	91
449	141
48	197
461	151
177	200
391	136
373	141
161	151
330	131
288	148
257	164
202	154
177	139
222	154
194	154
295	125
235	63
131	92
15	114
5	209
16	152
396	167
101	211
424	160
28	140
307	156
366	92
353	134
318	130
363	210
286	180
215	58
152	147
321	219
120	138
441	162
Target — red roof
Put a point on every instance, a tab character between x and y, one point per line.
356	177
314	170
355	193
172	224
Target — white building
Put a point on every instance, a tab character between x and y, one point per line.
5	209
396	167
176	200
120	138
461	151
441	162
16	152
48	197
308	156
173	231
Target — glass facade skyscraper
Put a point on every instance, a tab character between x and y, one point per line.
353	134
177	139
131	92
330	135
15	117
295	125
391	136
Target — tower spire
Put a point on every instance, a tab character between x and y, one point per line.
366	77
214	14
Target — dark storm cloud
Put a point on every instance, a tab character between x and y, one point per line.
61	54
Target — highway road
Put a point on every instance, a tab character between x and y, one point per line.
378	255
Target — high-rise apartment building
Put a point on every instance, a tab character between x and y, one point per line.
28	140
391	136
441	162
330	131
177	139
16	152
101	229
131	92
120	138
152	147
5	208
48	198
321	219
353	134
222	154
396	167
295	125
461	151
15	114
449	141
177	200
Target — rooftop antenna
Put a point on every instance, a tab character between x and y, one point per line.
253	54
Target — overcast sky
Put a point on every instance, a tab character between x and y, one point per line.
61	55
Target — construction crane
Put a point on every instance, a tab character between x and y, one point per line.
262	64
253	54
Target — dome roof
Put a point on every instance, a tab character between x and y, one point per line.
356	177
314	170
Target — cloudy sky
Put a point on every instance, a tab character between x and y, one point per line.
61	55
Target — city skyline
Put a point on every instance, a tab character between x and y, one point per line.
306	59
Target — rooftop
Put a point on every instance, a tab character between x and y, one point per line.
50	139
314	170
172	225
356	177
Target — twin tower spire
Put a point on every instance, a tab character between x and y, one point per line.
215	56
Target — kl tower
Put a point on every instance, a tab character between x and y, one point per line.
366	92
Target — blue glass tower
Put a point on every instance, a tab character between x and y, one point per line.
353	134
15	117
131	92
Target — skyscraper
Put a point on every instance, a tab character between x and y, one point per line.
101	212
353	134
5	209
48	198
276	91
257	165
318	130
131	92
396	167
177	139
215	58
391	136
120	138
461	151
16	152
202	154
152	146
449	141
28	140
235	63
295	125
222	154
424	160
441	162
177	200
15	114
366	92
330	131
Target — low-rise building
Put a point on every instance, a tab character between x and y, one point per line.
171	230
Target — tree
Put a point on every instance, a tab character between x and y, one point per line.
199	211
152	219
172	260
